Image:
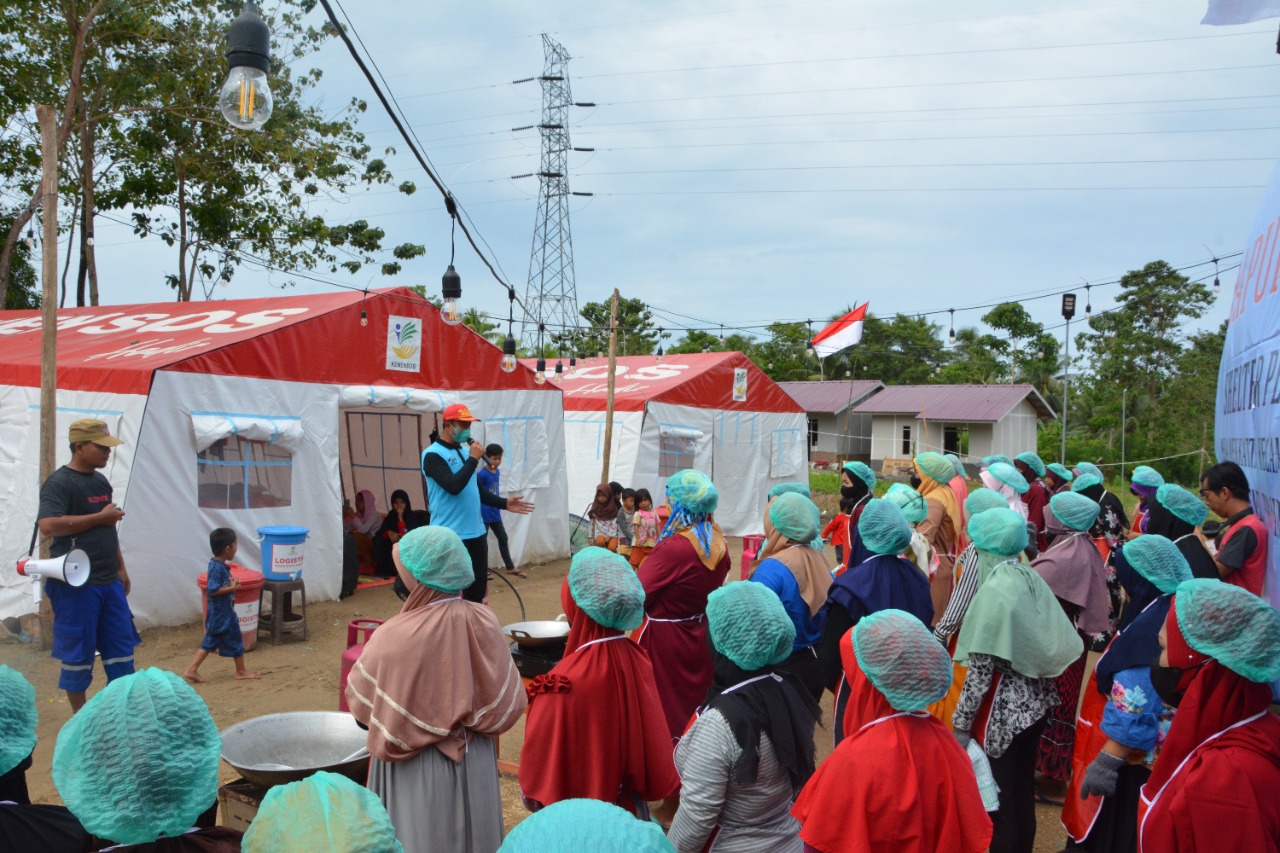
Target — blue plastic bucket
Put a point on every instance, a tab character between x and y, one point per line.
282	551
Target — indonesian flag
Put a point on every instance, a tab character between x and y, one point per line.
1228	12
841	334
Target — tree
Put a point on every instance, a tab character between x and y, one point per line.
637	334
783	356
481	324
696	340
976	359
900	351
23	292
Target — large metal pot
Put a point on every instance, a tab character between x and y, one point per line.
281	748
537	633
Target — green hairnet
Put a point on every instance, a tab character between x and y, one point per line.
981	500
795	517
437	558
1000	531
606	588
957	464
902	659
1145	475
323	813
1083	468
1061	472
573	826
1033	461
790	488
1182	503
18	718
692	490
1074	510
911	502
1010	476
1231	625
936	467
1085	481
988	461
863	472
749	625
140	760
883	527
1158	560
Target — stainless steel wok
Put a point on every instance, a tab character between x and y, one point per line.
281	748
537	633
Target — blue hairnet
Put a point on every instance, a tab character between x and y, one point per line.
911	502
749	625
988	461
957	464
790	488
1158	560
936	467
323	813
693	491
1145	475
863	472
574	826
1083	468
1010	476
1033	461
606	588
901	659
18	718
140	760
883	527
1061	471
1182	503
1000	531
795	517
1084	481
1231	625
1074	510
436	557
981	500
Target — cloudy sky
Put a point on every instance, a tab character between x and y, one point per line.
757	160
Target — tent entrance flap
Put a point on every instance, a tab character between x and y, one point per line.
280	430
384	452
389	397
677	448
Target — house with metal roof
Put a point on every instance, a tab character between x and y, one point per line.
971	421
836	433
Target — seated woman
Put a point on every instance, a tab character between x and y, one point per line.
323	813
750	750
596	728
363	524
898	781
574	826
399	520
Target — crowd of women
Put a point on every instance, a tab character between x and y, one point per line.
954	638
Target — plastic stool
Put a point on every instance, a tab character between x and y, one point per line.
751	546
281	620
358	633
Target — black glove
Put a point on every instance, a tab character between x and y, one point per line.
963	737
1100	777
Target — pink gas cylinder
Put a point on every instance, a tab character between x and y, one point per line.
358	633
751	546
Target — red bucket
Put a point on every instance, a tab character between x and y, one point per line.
246	603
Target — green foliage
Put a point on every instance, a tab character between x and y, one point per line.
24	284
480	323
637	333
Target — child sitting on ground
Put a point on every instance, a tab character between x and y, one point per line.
837	530
221	625
644	527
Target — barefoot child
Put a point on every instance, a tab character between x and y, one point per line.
645	526
221	625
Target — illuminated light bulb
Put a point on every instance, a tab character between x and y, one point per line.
509	354
558	376
364	318
245	98
451	290
540	376
88	240
953	337
659	356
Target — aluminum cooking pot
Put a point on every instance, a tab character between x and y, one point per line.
281	748
537	633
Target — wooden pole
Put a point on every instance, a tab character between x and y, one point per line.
613	377
49	323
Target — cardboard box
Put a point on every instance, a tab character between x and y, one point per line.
239	802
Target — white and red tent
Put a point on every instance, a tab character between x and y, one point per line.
246	413
716	412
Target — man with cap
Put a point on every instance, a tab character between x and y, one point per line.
453	496
76	509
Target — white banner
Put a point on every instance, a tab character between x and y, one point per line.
404	344
1227	12
739	385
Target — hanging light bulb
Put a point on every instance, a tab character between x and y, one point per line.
541	375
659	355
451	289
1088	302
953	326
808	350
245	99
558	376
509	354
31	238
88	239
1216	286
721	334
364	318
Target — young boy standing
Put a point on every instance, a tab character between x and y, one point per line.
837	530
221	625
489	480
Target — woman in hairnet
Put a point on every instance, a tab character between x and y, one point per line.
798	573
1057	478
1015	640
595	726
858	485
690	560
914	511
1213	788
885	580
577	826
751	749
944	523
323	813
1122	721
898	781
1176	514
1109	530
435	686
1144	483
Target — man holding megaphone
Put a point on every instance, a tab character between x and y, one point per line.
77	510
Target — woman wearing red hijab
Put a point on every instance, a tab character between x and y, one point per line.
1214	786
596	727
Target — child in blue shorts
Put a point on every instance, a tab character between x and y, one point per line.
221	625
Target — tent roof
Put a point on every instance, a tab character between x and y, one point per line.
973	403
831	396
704	380
310	338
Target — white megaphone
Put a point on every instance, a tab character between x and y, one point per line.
72	567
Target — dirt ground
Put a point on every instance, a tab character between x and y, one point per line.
303	675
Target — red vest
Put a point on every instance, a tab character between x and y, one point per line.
1251	575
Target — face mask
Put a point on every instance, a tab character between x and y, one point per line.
1168	682
850	492
915	481
462	436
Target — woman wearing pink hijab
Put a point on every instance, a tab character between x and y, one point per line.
363	525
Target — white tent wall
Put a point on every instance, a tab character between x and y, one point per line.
584	452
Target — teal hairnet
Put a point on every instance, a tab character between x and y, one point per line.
883	527
936	467
1158	560
981	500
606	588
1034	462
1231	625
957	464
914	509
1010	476
795	517
323	813
790	488
693	491
901	659
1074	510
1182	503
436	557
988	461
18	718
574	826
749	625
1083	468
1000	531
1061	471
863	472
140	760
1084	481
1144	475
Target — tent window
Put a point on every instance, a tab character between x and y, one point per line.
240	473
386	454
675	453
